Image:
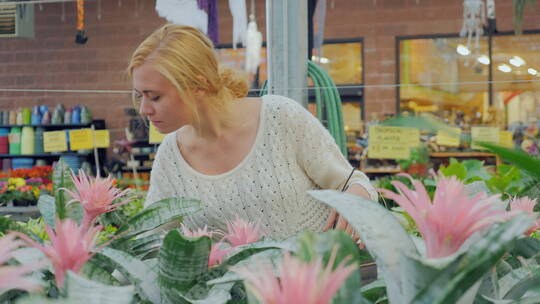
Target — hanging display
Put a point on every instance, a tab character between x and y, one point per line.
81	37
238	12
185	12
474	16
253	43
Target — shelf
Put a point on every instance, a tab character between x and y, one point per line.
49	126
380	171
138	169
461	154
43	155
14	209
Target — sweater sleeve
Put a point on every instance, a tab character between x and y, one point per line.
319	155
160	183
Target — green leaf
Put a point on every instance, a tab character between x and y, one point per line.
489	287
455	169
374	291
144	246
61	179
36	299
75	212
139	273
47	207
518	158
7	224
526	247
518	290
158	214
462	273
181	261
94	272
385	239
216	294
271	257
84	290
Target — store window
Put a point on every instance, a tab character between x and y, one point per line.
441	75
516	76
447	77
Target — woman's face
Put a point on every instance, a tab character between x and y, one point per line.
158	100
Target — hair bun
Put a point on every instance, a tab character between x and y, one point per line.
235	81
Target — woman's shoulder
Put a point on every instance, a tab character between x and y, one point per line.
166	147
280	102
282	107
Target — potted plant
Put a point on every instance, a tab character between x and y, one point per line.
417	163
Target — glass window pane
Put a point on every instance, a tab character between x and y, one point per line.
445	77
516	76
343	61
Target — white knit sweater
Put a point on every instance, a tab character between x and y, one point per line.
292	153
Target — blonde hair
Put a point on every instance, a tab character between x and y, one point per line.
186	57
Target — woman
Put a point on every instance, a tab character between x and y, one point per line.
249	157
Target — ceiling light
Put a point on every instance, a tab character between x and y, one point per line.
532	71
504	68
517	61
484	59
463	50
320	59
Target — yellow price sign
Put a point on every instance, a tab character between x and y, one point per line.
392	142
450	138
54	141
155	137
391	151
506	139
102	138
81	139
484	134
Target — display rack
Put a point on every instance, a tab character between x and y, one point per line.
99	124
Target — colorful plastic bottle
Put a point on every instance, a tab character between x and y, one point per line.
27	141
15	141
36	116
38	140
76	115
19	117
26	116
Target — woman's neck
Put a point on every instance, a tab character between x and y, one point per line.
214	124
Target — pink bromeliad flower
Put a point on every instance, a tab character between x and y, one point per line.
70	247
197	233
218	250
451	218
526	204
300	282
11	277
241	232
95	195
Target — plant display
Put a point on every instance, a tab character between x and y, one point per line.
419	155
24	186
465	244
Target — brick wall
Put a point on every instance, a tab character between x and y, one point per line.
53	61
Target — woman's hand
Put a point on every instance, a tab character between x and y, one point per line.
337	221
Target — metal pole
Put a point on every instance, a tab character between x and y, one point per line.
286	36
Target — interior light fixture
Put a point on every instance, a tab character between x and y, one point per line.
532	71
504	68
463	50
484	59
516	61
321	59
